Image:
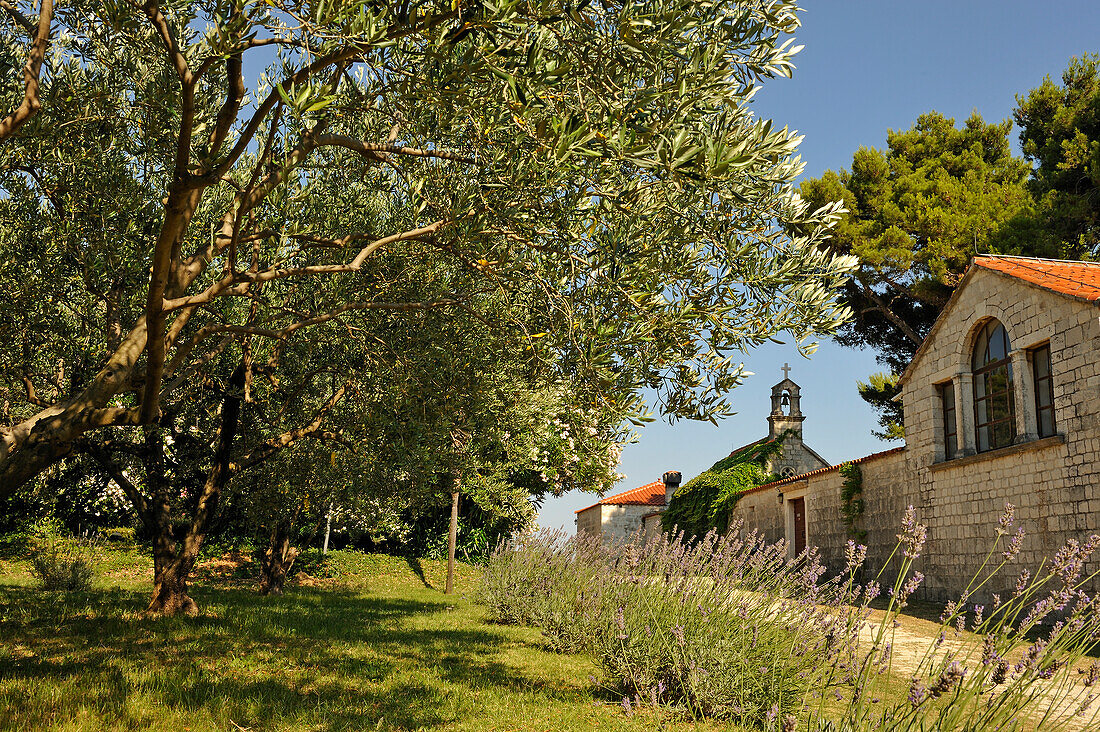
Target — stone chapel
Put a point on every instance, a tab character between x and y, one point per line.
621	515
1001	405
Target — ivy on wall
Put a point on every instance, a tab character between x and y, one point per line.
705	501
851	500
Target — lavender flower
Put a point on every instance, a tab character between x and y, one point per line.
1022	582
854	554
910	587
917	692
1092	675
1007	519
989	650
947	680
913	534
1013	549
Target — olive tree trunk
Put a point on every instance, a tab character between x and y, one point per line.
277	560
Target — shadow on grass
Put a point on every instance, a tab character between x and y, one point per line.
418	570
327	659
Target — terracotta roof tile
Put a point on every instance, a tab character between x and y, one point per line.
819	471
1076	279
650	494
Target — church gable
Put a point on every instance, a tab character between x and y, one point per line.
997	367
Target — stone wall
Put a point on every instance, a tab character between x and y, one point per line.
622	522
762	511
590	520
652	523
888	488
1053	482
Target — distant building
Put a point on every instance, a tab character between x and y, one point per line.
640	509
622	515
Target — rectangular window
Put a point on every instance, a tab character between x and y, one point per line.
1044	390
994	411
950	429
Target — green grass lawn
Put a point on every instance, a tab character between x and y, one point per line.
367	642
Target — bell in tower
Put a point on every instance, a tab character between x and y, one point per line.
786	411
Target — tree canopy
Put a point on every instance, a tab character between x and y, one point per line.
597	162
1060	136
916	214
205	266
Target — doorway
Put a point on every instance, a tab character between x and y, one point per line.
798	508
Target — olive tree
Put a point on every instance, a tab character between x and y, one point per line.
171	211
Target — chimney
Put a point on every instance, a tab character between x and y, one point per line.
671	479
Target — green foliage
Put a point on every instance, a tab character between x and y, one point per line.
851	500
705	501
545	580
880	391
64	566
586	181
916	214
717	628
1060	134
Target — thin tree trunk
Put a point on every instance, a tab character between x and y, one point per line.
328	529
452	537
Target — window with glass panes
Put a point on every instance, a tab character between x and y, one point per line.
1044	390
994	410
950	429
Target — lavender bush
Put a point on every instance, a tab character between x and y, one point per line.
1031	669
730	627
546	580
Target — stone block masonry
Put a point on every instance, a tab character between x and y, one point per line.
1053	480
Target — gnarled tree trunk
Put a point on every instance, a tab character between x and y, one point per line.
277	560
170	572
172	561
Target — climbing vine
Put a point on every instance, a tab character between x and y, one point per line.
705	501
851	500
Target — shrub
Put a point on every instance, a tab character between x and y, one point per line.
726	627
729	627
120	534
1029	671
550	581
62	566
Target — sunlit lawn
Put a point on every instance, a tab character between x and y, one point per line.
380	647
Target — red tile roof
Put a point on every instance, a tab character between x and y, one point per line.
1080	280
650	494
820	471
1076	279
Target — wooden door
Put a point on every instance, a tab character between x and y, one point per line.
798	505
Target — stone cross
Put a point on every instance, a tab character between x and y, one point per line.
786	371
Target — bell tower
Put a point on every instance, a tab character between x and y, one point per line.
786	411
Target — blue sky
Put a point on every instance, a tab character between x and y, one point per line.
867	67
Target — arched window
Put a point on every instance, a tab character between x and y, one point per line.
994	410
